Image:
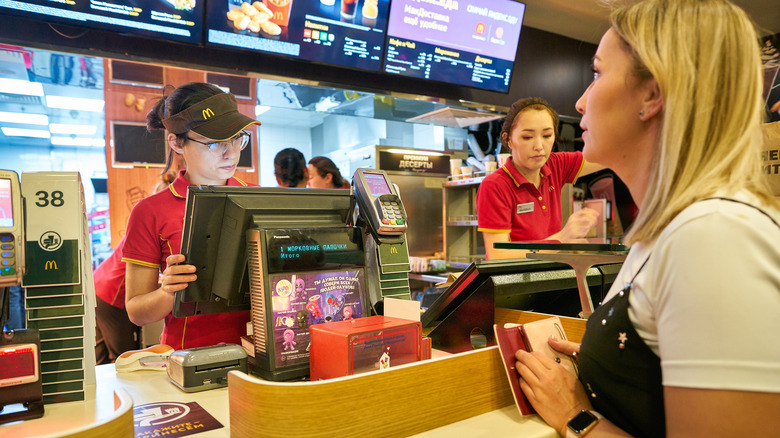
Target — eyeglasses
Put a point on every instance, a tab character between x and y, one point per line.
240	141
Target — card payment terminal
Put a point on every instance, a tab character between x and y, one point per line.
379	203
20	376
11	230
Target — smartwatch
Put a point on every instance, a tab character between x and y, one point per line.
582	423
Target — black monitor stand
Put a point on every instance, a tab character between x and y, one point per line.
469	325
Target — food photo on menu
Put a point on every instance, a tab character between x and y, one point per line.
341	32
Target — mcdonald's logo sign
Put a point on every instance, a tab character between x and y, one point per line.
207	113
50	264
393	250
279	16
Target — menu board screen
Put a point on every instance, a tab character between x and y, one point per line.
465	42
179	20
347	33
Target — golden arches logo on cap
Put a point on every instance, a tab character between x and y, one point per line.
216	118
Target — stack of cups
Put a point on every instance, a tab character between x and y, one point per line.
455	165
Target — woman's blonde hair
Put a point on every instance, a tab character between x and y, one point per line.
705	56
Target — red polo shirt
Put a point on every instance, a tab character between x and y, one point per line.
509	203
154	231
109	278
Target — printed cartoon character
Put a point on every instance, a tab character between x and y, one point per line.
314	311
347	313
289	343
300	319
334	302
384	359
300	293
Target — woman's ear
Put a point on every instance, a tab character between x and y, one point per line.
329	177
173	143
653	102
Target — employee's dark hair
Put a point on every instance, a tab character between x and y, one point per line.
325	166
289	166
175	102
536	103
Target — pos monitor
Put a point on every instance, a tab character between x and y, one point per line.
286	254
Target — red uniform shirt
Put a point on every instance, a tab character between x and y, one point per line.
509	203
110	278
154	231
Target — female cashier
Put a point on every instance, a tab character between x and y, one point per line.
522	200
203	126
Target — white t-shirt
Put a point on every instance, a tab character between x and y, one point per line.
708	300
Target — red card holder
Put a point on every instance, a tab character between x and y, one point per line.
531	336
509	340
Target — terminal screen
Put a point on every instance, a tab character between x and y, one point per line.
466	42
6	204
377	184
348	33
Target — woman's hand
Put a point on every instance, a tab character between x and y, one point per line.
555	393
176	277
578	225
568	348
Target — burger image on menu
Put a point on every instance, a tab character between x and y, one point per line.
259	18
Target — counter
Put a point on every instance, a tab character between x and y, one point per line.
153	387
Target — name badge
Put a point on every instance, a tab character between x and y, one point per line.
528	207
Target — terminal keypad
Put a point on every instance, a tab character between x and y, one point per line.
392	214
7	256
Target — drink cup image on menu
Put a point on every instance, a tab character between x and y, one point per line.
348	8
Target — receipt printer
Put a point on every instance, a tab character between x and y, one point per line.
202	368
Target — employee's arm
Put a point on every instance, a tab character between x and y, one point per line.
500	254
149	298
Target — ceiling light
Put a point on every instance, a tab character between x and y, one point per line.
59	128
78	141
19	132
75	103
24	118
18	86
260	109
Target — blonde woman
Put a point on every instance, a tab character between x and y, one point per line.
685	343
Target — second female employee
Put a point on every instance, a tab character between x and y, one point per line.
522	200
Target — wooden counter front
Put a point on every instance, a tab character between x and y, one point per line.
401	401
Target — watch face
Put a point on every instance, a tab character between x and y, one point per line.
581	421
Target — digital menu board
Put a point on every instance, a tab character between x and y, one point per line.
465	42
348	33
179	20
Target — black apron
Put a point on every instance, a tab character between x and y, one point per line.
621	374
